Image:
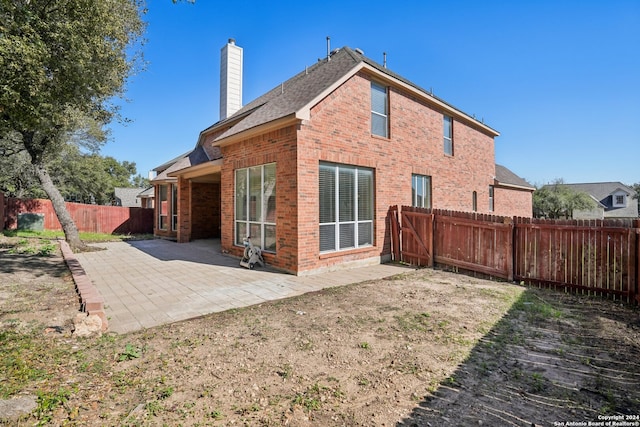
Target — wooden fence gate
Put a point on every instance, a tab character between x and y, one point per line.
412	236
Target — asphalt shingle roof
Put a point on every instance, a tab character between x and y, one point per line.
292	95
295	93
127	197
289	97
505	176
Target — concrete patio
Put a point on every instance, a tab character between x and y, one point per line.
152	282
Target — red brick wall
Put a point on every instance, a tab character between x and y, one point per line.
512	202
199	211
279	147
339	131
184	211
205	210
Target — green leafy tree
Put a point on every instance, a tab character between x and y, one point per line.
636	188
558	200
140	181
90	177
80	177
17	179
61	62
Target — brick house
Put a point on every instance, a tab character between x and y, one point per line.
310	168
512	195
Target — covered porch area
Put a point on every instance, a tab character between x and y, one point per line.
198	201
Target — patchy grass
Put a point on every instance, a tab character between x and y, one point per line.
415	349
84	236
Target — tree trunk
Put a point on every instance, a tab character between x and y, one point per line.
70	230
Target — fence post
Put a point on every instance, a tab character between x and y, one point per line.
431	228
395	233
636	260
510	250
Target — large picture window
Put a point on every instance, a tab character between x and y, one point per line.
346	207
421	191
255	213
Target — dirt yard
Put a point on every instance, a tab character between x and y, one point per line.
427	348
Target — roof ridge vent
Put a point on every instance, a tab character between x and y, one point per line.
358	50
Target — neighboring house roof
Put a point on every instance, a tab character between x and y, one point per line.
602	192
598	204
506	178
127	197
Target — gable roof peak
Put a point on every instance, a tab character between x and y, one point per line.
292	99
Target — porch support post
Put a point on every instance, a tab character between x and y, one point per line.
184	210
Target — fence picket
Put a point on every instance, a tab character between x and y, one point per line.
88	218
598	257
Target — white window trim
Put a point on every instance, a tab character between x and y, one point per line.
447	139
427	188
386	107
356	221
263	206
615	200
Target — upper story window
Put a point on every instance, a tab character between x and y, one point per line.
448	135
421	191
619	201
491	199
379	110
474	201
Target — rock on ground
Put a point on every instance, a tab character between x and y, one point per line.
13	409
87	325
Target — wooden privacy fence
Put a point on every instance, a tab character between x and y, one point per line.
88	218
599	257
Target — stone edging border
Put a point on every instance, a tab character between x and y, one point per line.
90	299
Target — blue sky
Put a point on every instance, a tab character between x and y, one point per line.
560	80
